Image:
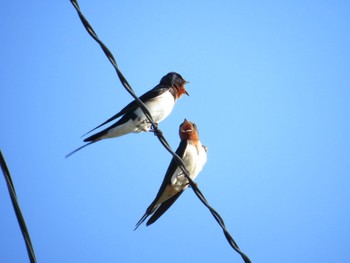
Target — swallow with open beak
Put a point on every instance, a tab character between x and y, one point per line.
194	155
159	101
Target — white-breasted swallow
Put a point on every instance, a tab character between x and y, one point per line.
159	101
194	155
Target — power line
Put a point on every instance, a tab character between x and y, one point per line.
20	218
158	132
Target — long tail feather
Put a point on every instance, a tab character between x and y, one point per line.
143	218
81	147
107	121
163	208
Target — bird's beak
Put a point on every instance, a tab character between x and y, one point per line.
186	126
185	89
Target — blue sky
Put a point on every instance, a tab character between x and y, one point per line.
269	90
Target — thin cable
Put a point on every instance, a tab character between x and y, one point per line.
158	132
20	218
199	194
111	58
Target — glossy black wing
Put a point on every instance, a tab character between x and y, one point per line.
166	181
180	151
163	208
156	91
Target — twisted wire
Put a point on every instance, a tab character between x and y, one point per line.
14	200
159	133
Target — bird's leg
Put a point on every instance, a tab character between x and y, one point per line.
155	129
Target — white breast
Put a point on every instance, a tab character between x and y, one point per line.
194	159
160	107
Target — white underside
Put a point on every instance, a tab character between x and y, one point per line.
194	159
159	107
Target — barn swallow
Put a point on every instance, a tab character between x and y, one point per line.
159	101
194	155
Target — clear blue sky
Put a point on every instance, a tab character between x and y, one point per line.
269	90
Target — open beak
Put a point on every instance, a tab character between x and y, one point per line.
188	130
185	89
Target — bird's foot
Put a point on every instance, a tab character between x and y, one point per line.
154	127
155	130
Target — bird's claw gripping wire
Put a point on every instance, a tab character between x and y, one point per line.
157	132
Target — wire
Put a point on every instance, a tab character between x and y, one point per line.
159	133
17	209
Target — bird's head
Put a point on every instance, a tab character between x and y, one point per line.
188	131
175	80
